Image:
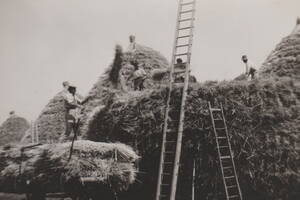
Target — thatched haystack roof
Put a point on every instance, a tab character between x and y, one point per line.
48	166
50	124
285	58
117	78
262	116
13	129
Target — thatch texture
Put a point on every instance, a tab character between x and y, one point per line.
285	58
262	118
13	129
50	124
117	78
47	166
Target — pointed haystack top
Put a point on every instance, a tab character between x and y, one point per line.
284	61
13	129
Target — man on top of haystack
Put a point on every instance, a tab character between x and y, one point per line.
73	105
138	76
250	68
132	44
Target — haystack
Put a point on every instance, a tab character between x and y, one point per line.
117	81
51	123
46	167
285	58
13	129
262	117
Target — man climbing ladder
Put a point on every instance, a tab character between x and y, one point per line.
173	122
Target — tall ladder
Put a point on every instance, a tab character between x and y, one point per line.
230	179
174	118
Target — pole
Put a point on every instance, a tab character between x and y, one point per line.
193	180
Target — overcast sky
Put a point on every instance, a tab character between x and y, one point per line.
44	42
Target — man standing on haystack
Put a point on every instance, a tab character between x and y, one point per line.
73	107
132	44
139	76
250	69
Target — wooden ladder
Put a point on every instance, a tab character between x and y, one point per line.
174	118
230	179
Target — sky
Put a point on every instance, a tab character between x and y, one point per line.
45	42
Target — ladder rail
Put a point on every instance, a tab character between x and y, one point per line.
230	150
158	189
182	109
219	152
178	129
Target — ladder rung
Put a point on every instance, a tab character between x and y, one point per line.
184	45
186	19
215	109
222	138
171	141
234	196
187	3
184	28
187	11
182	54
225	157
169	152
179	71
168	163
227	167
232	186
167	174
229	177
218	119
184	36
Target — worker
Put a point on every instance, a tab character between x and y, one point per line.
179	70
73	104
250	69
132	44
139	75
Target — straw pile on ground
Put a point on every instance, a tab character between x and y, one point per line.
263	121
13	129
47	167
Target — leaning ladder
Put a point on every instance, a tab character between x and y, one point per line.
174	119
230	179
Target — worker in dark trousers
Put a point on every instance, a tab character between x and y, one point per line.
250	69
139	75
179	71
73	107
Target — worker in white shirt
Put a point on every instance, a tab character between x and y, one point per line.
250	68
139	75
132	44
73	107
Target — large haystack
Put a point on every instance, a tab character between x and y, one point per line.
13	129
117	78
47	167
50	124
285	58
262	118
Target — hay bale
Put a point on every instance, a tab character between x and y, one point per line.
13	129
47	166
